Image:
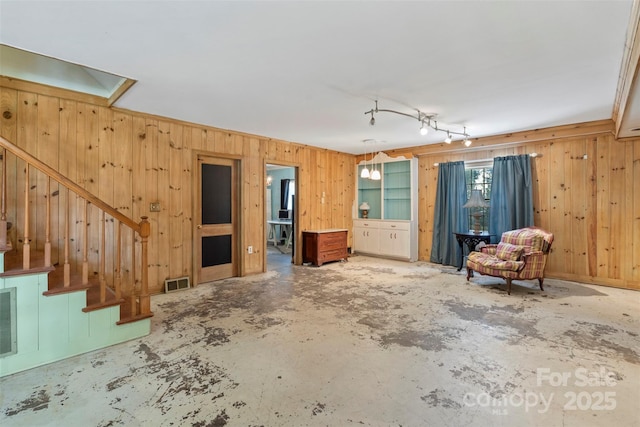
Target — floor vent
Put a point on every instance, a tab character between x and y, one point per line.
8	329
172	285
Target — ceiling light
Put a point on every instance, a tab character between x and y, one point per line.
425	121
375	175
467	141
365	172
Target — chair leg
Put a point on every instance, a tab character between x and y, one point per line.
540	280
508	285
469	273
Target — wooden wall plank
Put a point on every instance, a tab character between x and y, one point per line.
123	190
617	207
578	179
106	184
561	243
27	140
635	215
175	209
67	167
151	192
603	207
140	201
164	227
91	183
9	129
191	137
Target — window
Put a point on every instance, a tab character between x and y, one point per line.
478	177
292	192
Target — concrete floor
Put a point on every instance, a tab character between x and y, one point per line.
367	342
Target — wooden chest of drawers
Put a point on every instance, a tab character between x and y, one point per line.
320	246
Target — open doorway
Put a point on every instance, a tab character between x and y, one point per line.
280	212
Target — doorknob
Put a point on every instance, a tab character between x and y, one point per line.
199	226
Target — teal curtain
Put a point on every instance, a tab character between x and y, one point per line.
449	216
511	204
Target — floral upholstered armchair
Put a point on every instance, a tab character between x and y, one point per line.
520	255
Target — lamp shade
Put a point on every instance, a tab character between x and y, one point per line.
476	200
364	206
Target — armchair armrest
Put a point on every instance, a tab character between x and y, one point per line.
534	263
489	249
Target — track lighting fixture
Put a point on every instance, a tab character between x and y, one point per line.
426	121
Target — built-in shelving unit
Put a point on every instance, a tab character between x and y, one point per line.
390	228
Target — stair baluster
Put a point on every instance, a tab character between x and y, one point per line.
26	247
117	280
102	281
3	203
85	244
67	267
47	232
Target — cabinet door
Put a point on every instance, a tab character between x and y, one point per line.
366	240
395	240
397	190
369	191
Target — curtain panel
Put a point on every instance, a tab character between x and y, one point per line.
511	205
449	216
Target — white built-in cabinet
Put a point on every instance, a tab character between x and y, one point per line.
390	230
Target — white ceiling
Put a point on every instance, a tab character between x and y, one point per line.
306	71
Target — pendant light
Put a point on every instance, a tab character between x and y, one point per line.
375	174
365	172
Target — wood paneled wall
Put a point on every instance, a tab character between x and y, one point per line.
592	204
131	159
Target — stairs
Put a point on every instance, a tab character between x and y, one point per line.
54	322
50	312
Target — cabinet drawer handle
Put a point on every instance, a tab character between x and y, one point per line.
393	226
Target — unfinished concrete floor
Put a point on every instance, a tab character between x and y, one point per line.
367	342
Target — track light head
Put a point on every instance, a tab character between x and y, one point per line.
373	120
467	142
423	129
448	138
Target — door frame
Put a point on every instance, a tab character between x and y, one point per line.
297	253
195	196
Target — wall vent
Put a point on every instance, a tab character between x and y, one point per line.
8	327
172	285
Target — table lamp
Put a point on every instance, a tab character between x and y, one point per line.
364	207
476	201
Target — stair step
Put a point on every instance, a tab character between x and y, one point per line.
93	299
13	266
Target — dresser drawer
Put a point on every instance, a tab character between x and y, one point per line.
332	241
332	255
395	225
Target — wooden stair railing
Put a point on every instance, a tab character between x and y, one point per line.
137	301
